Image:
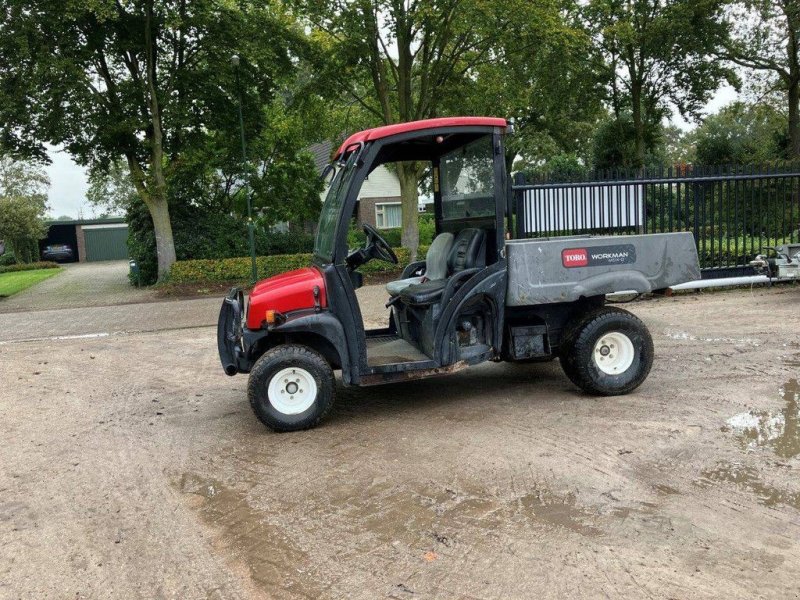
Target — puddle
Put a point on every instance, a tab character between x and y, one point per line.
747	479
409	515
557	512
273	561
776	430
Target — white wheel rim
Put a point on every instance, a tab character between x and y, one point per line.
613	353
292	391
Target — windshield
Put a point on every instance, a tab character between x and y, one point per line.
332	208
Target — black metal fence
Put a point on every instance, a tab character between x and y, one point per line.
733	211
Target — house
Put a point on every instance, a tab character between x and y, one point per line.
379	199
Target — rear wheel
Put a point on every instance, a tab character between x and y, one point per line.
608	352
291	387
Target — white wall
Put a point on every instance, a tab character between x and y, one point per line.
381	183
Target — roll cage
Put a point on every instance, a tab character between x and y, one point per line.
428	144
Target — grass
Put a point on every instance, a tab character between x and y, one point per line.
12	283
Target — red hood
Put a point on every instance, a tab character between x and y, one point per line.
284	293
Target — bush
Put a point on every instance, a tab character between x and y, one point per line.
238	269
204	233
8	259
291	242
28	266
356	236
234	269
427	231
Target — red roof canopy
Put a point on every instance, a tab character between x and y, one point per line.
387	130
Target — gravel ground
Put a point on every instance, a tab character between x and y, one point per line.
133	468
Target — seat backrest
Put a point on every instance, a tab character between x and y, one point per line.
436	258
468	251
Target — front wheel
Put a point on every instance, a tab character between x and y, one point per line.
608	353
291	387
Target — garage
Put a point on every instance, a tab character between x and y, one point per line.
90	240
105	242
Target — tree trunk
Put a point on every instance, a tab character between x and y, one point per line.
156	202
159	209
794	119
638	126
165	246
407	174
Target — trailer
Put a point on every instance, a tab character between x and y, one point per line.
477	296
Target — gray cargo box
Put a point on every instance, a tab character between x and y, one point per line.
562	269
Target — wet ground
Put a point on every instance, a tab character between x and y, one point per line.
132	467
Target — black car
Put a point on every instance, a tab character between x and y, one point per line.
58	253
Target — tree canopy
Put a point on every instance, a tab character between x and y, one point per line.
23	202
741	134
658	56
146	81
766	40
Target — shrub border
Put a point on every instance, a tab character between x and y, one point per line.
238	269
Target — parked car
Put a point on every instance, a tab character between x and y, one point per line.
58	253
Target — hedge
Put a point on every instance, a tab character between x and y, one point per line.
34	266
238	269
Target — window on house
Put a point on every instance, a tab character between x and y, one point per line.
388	215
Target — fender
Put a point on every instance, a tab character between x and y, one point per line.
318	325
491	282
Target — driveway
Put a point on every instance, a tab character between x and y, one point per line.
134	468
80	285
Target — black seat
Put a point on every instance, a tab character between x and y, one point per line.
424	293
468	252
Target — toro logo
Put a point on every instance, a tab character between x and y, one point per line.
616	254
574	257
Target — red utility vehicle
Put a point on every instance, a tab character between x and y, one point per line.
476	297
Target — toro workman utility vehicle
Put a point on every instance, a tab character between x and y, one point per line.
476	297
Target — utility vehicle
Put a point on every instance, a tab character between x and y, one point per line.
478	296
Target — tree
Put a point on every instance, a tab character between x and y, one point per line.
658	55
112	188
23	202
741	134
539	75
147	81
614	143
400	60
766	39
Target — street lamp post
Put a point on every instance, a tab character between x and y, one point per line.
250	227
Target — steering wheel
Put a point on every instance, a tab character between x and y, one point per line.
378	247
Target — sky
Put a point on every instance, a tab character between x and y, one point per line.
68	182
68	185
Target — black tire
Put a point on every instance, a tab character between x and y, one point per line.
309	365
581	366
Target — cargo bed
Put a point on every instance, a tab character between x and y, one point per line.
564	269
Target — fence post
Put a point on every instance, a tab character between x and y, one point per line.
519	205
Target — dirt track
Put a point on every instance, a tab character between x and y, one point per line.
132	467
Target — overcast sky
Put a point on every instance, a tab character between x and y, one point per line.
68	181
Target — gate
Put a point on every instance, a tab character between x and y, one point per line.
733	211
